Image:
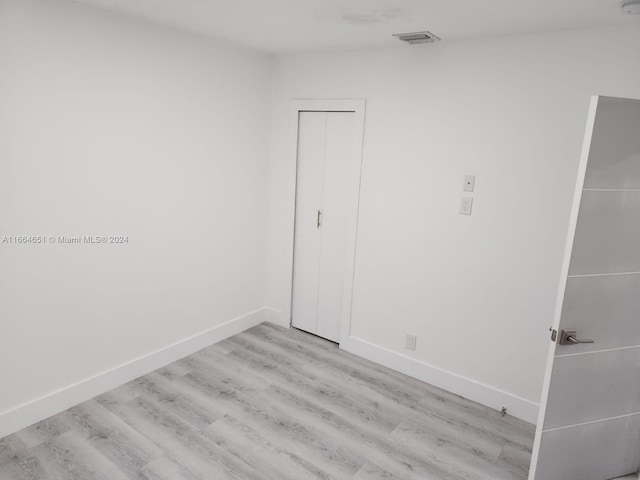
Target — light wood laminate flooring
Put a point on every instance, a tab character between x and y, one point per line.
272	403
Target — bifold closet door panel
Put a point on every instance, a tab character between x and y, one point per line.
309	192
335	218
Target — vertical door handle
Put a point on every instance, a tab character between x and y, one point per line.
319	221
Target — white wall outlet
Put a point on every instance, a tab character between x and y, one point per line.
411	341
469	183
466	203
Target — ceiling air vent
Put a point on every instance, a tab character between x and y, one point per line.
417	37
631	7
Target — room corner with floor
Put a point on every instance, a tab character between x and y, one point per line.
306	239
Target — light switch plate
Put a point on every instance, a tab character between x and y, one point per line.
466	204
469	183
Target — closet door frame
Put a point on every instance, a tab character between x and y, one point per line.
357	106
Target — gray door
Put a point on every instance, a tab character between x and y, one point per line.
589	427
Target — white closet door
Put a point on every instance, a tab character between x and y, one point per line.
306	259
325	154
337	180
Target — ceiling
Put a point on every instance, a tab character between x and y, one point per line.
284	26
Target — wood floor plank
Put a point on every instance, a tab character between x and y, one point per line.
164	468
70	456
515	460
432	416
227	370
183	444
45	430
288	432
17	461
429	401
371	471
450	453
198	411
260	453
113	438
341	431
272	404
273	367
395	384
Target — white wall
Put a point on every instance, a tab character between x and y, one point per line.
110	126
478	291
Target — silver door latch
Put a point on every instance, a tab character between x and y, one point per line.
570	337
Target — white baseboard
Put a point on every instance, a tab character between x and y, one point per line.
465	387
55	402
277	317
